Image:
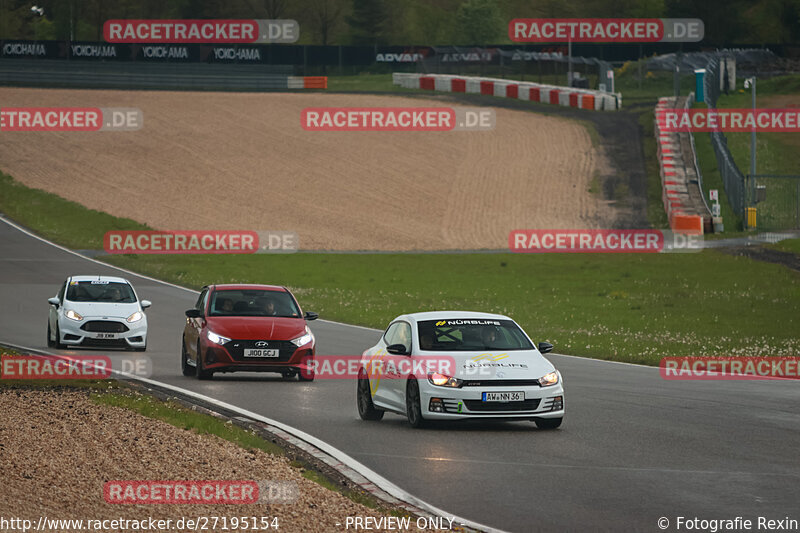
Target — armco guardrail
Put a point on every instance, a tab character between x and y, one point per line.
130	75
521	90
680	183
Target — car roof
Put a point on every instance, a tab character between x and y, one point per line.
249	286
440	315
100	278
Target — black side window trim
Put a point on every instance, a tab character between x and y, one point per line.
201	300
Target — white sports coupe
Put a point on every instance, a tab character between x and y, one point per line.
449	365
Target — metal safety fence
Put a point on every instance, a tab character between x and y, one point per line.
715	82
778	202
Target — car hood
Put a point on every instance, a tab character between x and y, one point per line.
257	327
521	364
102	309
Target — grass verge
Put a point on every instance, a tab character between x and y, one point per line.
179	416
712	179
656	215
626	307
67	223
787	245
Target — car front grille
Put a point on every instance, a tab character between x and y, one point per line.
285	350
480	406
104	326
106	343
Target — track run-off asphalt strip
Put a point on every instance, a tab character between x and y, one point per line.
633	448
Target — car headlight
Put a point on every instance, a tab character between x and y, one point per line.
217	339
441	380
135	317
72	315
549	379
303	339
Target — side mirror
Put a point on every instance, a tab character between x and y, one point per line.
193	313
397	349
311	315
545	347
146	303
54	301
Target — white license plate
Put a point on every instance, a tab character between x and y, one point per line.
503	396
260	352
105	335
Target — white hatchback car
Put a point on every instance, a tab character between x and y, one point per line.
459	365
97	311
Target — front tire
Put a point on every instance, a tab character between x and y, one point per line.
366	409
413	405
548	423
50	342
57	344
201	372
186	368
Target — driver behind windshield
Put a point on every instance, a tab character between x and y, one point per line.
268	305
114	294
226	306
490	337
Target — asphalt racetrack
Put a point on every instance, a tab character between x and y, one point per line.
633	447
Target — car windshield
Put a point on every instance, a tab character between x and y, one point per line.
100	291
253	303
468	335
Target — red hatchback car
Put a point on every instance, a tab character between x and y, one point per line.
254	328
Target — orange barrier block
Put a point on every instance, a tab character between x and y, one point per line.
588	101
690	224
315	82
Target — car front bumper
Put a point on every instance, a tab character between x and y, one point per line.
444	403
229	357
74	333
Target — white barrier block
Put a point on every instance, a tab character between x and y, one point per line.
442	83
